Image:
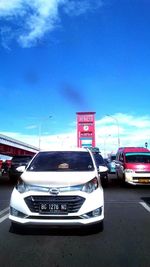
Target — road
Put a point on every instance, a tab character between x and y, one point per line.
125	241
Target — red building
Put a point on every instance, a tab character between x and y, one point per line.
85	129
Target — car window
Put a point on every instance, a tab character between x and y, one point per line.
138	158
112	158
18	159
99	159
62	161
121	157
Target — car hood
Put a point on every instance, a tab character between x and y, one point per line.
58	179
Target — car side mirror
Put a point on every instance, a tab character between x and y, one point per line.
102	169
21	168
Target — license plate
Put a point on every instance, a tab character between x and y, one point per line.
52	208
144	181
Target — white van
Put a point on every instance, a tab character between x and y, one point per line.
58	188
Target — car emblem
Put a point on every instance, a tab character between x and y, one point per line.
54	191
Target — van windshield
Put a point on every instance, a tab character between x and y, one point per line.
137	158
61	161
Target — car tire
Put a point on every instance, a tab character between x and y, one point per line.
104	181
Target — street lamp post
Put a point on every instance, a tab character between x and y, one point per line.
117	123
106	136
40	130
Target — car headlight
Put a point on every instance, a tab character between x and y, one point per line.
90	186
23	187
129	170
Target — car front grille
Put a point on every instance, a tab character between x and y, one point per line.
141	178
74	203
142	171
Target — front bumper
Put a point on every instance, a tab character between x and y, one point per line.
137	178
76	221
90	212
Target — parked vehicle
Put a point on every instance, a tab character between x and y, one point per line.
111	163
133	165
58	188
20	160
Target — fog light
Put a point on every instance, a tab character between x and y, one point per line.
13	211
96	212
17	213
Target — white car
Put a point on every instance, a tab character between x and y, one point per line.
58	188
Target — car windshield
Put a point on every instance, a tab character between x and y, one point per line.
61	161
18	159
138	158
99	159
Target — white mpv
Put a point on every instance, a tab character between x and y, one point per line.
59	188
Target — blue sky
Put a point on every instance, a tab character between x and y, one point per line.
59	57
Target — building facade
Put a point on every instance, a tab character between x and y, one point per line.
85	129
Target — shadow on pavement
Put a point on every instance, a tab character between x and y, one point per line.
55	231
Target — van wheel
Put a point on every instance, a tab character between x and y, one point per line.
123	182
123	179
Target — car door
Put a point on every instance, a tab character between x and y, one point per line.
120	165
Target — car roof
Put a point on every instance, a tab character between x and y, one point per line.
75	149
133	149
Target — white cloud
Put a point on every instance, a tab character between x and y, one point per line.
46	141
130	134
10	7
79	7
43	19
37	17
133	131
31	127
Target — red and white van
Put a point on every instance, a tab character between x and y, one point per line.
133	165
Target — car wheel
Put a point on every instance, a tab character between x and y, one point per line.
104	181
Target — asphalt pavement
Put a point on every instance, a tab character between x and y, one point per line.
124	242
